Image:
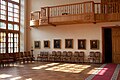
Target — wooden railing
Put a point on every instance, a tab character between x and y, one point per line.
34	20
86	12
107	12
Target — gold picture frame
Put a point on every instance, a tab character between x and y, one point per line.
68	43
81	43
46	44
94	44
57	44
37	44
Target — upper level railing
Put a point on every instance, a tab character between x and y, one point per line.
84	12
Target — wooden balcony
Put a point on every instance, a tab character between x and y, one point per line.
86	12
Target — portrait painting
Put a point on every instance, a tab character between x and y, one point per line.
68	43
36	44
57	43
47	44
94	44
81	44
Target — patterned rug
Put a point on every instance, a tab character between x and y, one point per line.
106	72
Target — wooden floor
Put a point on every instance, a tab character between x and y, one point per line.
48	71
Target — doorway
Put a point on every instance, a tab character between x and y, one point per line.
107	45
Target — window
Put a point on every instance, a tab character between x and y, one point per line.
9	26
2	42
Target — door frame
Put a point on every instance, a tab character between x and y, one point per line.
103	41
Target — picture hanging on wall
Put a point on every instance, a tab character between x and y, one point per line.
47	44
81	44
94	44
68	43
57	43
37	44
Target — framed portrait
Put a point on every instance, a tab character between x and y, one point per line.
47	44
36	44
94	44
81	44
57	43
68	43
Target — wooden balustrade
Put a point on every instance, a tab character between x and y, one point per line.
73	13
35	16
105	12
85	12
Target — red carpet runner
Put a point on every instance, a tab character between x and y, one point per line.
106	73
118	76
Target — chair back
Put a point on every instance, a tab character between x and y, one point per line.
64	53
21	54
53	53
1	56
58	53
76	53
92	54
97	54
81	54
69	53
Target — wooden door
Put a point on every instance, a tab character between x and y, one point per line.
116	45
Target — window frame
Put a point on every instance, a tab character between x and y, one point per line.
6	21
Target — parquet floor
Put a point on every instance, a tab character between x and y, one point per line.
48	71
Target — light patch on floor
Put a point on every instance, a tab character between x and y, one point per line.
71	68
44	66
29	79
103	71
16	78
95	70
5	76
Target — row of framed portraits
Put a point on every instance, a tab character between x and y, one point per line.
94	44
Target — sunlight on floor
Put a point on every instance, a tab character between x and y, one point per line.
71	68
29	79
5	76
96	70
44	66
103	71
18	65
16	78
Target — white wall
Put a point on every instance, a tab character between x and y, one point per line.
76	31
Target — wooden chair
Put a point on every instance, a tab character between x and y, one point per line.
91	57
16	57
7	60
21	58
26	57
11	58
58	56
45	56
40	56
52	56
64	56
75	56
32	58
1	57
69	56
81	57
97	57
